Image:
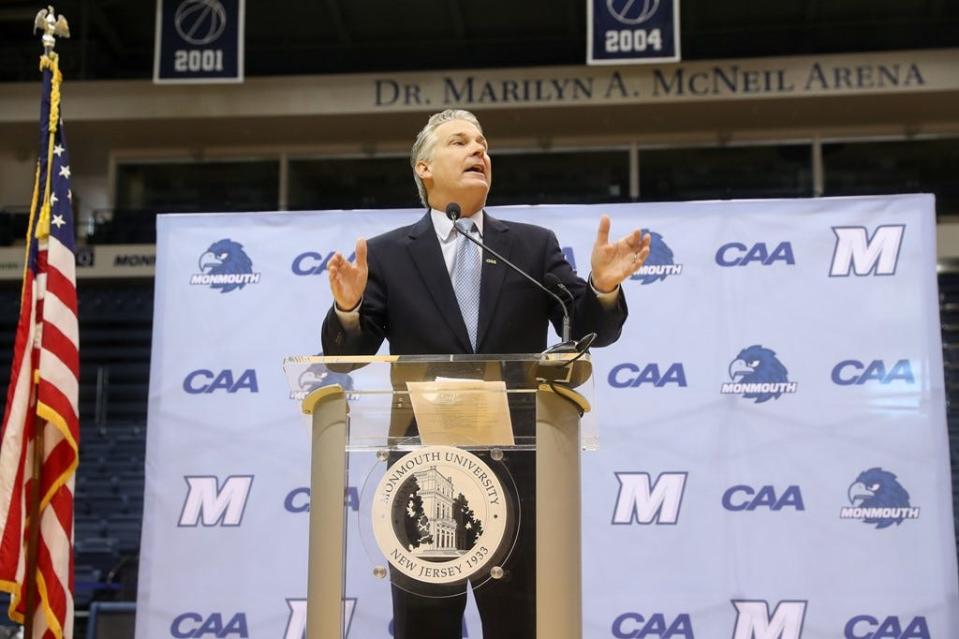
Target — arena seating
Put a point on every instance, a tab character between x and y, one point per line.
115	333
949	317
13	225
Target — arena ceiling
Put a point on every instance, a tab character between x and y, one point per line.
114	38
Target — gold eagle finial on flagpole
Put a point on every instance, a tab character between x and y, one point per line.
51	25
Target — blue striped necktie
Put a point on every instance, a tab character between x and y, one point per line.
466	274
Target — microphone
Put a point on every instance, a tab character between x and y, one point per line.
453	212
570	346
554	282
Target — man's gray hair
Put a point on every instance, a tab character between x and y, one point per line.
426	140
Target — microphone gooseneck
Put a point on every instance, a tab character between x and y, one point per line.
453	213
553	282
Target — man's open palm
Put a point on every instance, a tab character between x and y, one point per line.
614	262
348	279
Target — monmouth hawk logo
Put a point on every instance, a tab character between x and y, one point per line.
878	499
225	266
757	374
659	265
317	376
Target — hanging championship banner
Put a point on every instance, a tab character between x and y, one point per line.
632	31
199	41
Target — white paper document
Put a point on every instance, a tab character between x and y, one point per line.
461	412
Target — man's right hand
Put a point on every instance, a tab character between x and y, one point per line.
348	279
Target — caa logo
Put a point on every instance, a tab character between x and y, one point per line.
296	621
298	499
317	376
629	375
878	499
739	254
225	266
644	502
858	253
757	374
213	505
659	265
753	620
313	263
206	381
853	372
633	625
869	627
743	497
193	625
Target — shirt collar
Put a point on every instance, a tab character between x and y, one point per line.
444	226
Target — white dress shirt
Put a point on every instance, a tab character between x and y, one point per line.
447	235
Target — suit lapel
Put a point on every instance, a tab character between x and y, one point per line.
495	236
426	253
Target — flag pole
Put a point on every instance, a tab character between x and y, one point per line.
51	26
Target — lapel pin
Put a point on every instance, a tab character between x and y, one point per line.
490	260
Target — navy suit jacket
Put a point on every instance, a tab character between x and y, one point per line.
409	298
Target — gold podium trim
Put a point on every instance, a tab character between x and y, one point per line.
567	393
321	394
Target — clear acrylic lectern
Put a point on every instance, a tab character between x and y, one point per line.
466	448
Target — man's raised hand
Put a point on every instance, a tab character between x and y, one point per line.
614	262
348	279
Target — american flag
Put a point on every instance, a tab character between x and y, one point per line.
40	420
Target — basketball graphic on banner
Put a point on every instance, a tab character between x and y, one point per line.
632	11
200	21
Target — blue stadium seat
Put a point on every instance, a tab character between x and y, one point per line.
87	580
98	552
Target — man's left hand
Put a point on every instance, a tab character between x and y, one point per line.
614	262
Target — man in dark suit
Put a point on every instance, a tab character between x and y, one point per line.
411	287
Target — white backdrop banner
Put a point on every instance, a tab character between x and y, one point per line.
773	460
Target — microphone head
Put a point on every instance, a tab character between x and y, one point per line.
552	281
453	211
555	284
